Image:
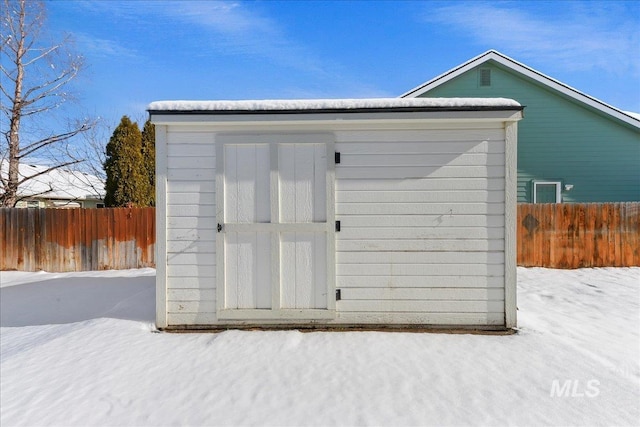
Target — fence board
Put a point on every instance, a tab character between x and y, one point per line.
579	235
549	235
61	240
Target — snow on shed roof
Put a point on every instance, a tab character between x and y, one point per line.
332	105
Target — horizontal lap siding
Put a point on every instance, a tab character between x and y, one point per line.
191	228
422	226
422	237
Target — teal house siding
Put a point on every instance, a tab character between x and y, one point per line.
594	155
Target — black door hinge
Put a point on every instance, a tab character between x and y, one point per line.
338	295
337	226
337	158
219	227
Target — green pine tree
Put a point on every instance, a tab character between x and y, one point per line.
127	183
149	157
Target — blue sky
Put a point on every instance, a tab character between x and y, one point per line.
143	51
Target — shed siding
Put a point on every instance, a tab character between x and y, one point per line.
422	237
422	226
561	140
191	227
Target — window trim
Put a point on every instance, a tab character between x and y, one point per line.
558	185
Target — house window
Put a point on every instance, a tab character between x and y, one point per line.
99	205
547	192
484	77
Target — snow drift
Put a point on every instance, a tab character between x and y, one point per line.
80	349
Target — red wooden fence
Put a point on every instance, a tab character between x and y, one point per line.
549	235
567	235
77	239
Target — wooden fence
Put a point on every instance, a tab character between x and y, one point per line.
549	235
579	235
77	239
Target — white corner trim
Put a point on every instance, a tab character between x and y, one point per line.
161	226
510	220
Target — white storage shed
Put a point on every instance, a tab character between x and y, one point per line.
349	213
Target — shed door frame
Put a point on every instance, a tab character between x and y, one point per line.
275	227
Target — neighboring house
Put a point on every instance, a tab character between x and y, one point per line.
571	146
59	188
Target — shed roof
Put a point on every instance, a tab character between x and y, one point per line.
504	60
297	106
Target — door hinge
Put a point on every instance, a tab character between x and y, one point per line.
219	227
337	226
337	158
338	295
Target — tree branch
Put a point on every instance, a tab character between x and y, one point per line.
46	171
55	84
31	148
45	53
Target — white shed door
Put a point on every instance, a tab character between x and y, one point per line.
247	250
274	232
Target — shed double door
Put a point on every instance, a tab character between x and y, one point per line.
276	230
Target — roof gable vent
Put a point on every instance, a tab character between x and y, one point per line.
485	77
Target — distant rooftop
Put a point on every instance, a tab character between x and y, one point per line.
63	183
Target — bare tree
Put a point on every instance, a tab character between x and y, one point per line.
33	82
92	155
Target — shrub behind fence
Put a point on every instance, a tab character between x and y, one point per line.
77	239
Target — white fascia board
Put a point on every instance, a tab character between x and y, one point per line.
334	121
528	72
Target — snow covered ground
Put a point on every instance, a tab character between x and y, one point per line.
79	349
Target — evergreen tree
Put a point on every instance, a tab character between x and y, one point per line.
149	157
127	183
